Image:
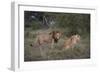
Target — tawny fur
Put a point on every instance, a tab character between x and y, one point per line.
71	42
48	38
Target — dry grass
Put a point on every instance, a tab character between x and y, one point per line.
35	53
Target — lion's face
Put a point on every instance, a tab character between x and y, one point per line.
75	39
56	35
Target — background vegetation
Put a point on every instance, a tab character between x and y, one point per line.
68	23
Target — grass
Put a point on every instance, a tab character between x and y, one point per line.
33	53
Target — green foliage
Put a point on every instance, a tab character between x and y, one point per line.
35	25
71	22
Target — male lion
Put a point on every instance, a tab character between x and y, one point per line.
48	38
51	38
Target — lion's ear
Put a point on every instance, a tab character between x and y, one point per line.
72	38
60	33
52	33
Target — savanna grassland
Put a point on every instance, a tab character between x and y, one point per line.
45	22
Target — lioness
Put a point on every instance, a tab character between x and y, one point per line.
71	42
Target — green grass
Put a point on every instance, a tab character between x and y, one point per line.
33	53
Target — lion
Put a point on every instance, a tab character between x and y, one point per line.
71	42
